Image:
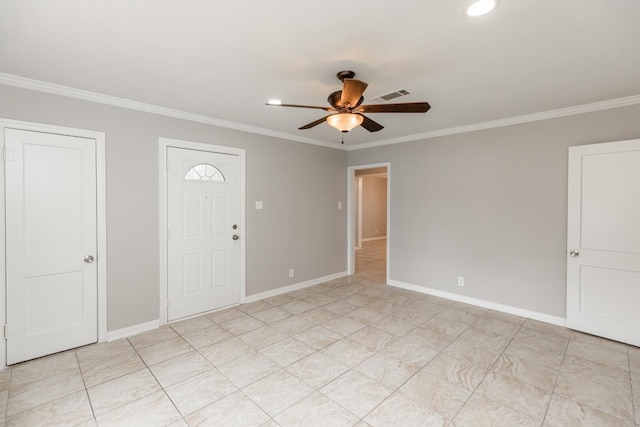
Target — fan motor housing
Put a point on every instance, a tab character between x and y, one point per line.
346	75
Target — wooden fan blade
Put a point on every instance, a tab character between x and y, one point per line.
335	98
408	107
352	90
302	106
370	125
316	123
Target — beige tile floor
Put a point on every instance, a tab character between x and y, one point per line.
371	261
347	352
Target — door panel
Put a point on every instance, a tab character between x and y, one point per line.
51	227
220	266
203	204
43	317
603	275
610	210
609	293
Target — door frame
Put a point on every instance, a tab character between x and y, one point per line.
351	248
164	144
358	200
101	218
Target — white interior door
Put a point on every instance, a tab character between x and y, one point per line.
603	267
50	243
203	217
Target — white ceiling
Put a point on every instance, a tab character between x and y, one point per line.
224	60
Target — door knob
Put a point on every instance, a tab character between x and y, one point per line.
88	259
574	253
235	237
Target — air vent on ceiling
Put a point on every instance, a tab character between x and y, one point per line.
391	95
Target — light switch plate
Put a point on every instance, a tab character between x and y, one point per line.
258	204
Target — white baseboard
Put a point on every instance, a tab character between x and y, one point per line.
534	315
143	327
294	287
371	239
554	320
132	330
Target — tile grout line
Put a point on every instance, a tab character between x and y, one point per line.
633	391
6	406
156	379
240	389
86	389
598	382
320	350
439	352
40	379
489	369
555	383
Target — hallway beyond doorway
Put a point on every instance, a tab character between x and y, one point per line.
371	262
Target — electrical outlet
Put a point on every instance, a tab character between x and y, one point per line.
460	281
291	272
339	205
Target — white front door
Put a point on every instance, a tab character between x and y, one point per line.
51	243
603	267
203	217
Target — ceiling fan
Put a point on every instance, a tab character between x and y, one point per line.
347	108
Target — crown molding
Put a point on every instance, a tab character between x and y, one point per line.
41	86
527	118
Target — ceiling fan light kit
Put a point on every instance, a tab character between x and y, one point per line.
344	122
347	108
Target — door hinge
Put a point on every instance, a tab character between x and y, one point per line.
9	155
166	234
6	334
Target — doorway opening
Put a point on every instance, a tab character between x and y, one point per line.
369	234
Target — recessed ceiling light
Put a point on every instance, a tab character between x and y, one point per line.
274	102
480	7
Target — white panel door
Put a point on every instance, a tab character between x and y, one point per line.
603	267
203	217
50	243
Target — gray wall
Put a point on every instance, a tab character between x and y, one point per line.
490	206
300	185
374	206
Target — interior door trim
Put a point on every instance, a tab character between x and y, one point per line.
101	218
164	144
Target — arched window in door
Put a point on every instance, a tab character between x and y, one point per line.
204	172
